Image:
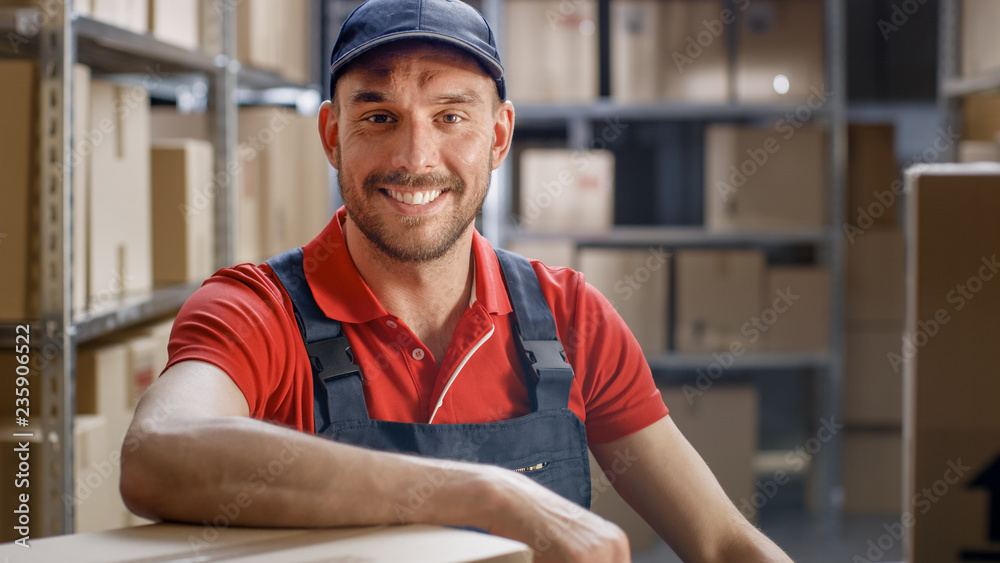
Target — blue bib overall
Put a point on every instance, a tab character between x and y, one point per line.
548	445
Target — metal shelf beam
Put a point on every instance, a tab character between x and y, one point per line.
132	311
982	84
605	108
747	362
679	237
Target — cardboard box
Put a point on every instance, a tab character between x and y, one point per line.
781	38
563	190
798	304
875	277
165	122
719	293
183	211
567	35
374	544
247	214
636	282
97	503
210	26
873	377
951	431
872	175
175	21
102	388
980	42
120	250
873	472
19	213
979	151
670	50
256	36
756	179
552	253
312	210
132	15
980	117
295	40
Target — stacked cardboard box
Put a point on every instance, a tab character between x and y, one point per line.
719	293
670	50
183	211
979	151
797	302
175	21
552	253
563	190
566	33
210	25
779	55
874	187
129	14
952	430
980	41
760	178
270	36
636	282
981	117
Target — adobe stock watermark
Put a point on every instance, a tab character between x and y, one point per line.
256	483
580	161
570	10
886	199
754	329
786	127
901	14
960	296
714	28
639	276
921	502
797	459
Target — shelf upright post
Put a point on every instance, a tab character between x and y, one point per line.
52	420
829	489
948	67
223	107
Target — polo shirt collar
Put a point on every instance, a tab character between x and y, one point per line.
343	295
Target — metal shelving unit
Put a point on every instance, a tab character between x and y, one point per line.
952	86
58	38
826	369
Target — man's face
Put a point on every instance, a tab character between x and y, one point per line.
416	141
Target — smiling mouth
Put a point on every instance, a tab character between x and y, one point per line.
414	198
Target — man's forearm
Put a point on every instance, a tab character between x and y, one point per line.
198	469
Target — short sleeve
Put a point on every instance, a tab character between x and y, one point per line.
241	321
619	394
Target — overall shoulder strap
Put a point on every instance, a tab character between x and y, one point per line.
542	353
337	391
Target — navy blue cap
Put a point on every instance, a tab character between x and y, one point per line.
450	21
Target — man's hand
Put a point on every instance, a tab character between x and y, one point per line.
556	529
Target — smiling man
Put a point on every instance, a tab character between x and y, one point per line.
399	352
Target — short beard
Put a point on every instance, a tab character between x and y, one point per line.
375	229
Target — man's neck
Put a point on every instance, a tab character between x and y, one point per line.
430	297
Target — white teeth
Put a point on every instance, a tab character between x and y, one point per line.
414	198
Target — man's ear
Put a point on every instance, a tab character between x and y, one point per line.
503	132
328	130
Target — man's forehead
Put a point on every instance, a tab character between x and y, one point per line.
421	58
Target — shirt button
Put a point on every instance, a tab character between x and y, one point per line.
391	324
418	354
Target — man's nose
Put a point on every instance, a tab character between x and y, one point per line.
416	148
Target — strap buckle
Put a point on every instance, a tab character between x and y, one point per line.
333	358
545	354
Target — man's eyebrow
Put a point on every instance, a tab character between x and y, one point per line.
460	97
367	97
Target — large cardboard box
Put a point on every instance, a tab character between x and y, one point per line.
129	14
873	471
873	377
210	25
257	41
781	38
296	21
670	50
719	294
312	207
102	374
19	197
951	427
981	117
980	42
566	33
97	504
247	215
636	282
875	277
553	253
183	211
235	544
755	178
175	21
798	302
563	190
165	122
979	151
872	175
120	220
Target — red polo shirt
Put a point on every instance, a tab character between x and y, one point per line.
241	321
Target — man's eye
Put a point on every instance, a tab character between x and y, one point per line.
452	118
379	118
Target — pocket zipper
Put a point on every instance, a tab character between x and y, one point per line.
535	467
